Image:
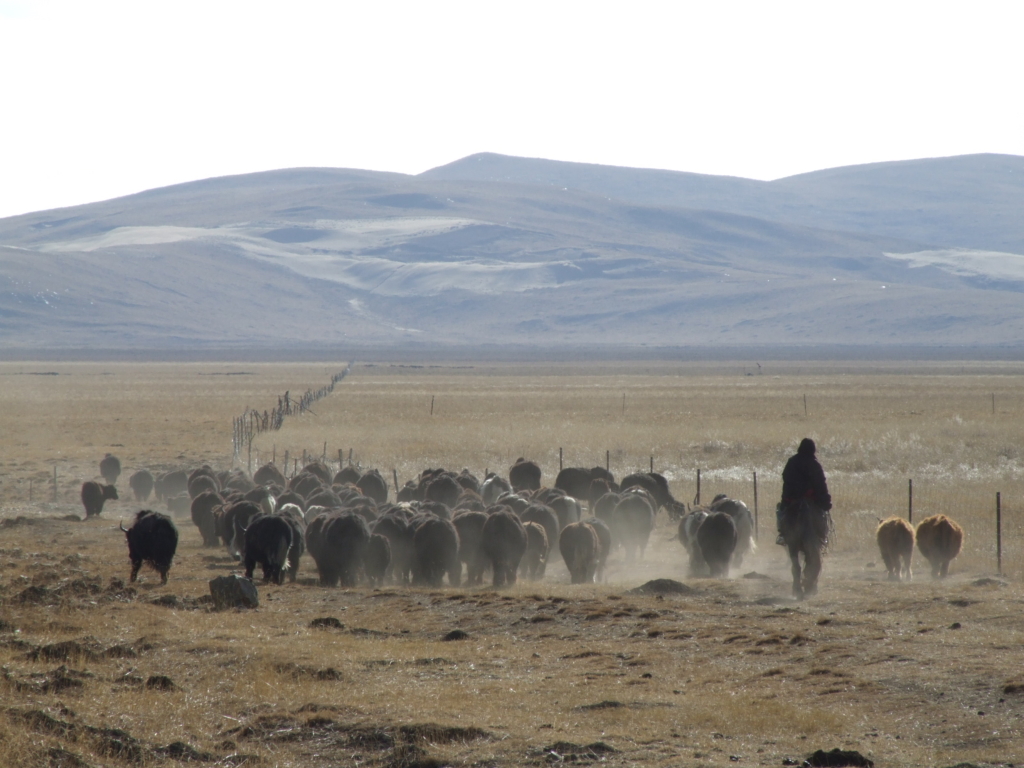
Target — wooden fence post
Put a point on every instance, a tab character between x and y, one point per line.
756	532
394	474
55	482
999	533
910	500
559	459
608	460
431	405
30	490
652	465
697	499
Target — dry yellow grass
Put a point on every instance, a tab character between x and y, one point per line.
899	672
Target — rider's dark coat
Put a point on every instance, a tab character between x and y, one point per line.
803	478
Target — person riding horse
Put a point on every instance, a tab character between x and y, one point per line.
803	480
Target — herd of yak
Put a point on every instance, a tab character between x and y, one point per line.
445	520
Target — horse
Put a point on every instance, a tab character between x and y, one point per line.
805	529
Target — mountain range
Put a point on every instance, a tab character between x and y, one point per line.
493	251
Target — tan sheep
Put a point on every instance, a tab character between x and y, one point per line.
939	538
896	541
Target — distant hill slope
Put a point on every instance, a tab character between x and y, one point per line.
971	201
497	250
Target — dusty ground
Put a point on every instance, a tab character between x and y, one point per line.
730	672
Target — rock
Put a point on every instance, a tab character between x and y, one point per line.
662	587
837	758
233	592
326	622
455	634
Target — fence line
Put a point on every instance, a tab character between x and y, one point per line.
252	422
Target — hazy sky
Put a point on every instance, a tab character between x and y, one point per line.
100	99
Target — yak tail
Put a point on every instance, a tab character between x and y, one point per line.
282	554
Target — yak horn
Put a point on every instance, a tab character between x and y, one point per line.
120	524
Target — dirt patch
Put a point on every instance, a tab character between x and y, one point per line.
663	587
185	753
302	672
568	752
608	704
160	683
58	680
70	650
183	603
404	745
71	590
105	742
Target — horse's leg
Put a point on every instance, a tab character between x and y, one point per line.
812	568
794	558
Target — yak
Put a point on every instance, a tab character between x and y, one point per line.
152	539
93	496
580	548
895	538
939	538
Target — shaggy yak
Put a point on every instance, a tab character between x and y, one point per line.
939	539
110	468
535	559
436	552
740	514
377	559
470	526
93	496
503	541
716	538
141	484
268	539
152	539
524	475
580	548
604	537
896	541
632	523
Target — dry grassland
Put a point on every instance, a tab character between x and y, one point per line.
918	674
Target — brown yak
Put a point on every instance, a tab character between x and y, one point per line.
939	538
896	541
